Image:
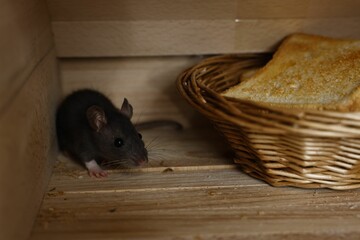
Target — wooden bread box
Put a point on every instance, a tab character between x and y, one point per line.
136	49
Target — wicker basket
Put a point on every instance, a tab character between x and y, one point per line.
284	147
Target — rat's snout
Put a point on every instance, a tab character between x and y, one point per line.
141	159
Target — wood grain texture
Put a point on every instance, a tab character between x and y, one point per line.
158	27
290	9
201	203
150	10
191	190
27	148
269	33
25	39
188	37
28	91
143	38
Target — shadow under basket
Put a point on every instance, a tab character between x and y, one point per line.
284	147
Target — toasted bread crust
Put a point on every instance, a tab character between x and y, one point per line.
307	71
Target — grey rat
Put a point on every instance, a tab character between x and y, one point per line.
91	129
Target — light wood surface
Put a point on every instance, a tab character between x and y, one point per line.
150	28
190	189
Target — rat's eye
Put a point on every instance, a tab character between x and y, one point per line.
118	142
140	136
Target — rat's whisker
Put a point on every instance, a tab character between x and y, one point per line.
158	157
113	162
151	143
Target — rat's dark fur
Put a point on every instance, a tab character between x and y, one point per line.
88	124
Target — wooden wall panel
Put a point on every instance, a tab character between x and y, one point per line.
151	10
270	32
289	9
114	28
25	38
155	10
28	94
143	38
27	149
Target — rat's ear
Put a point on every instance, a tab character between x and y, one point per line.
126	109
96	117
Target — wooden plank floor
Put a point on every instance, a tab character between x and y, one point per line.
191	189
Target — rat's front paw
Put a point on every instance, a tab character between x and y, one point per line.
95	170
98	174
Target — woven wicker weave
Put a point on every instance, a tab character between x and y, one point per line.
284	147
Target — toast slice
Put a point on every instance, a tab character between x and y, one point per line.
307	71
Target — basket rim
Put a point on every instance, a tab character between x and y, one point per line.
202	97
